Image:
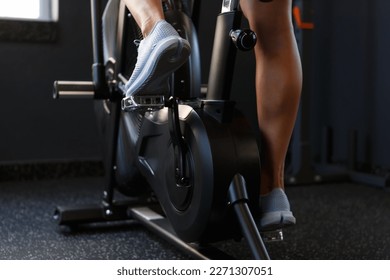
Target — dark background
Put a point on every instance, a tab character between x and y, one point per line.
33	126
349	74
348	84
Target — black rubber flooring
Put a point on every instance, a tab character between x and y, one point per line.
340	221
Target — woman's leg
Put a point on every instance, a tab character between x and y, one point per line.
278	84
146	13
160	53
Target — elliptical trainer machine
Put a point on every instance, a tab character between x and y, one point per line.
187	160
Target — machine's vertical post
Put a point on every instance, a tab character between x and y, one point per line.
102	91
238	198
229	5
110	162
224	52
98	74
96	22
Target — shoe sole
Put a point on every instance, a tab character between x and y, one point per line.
277	220
165	58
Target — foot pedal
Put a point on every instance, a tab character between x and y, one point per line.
143	103
272	236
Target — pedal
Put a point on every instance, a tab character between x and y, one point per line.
272	236
143	103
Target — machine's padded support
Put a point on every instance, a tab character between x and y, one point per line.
238	198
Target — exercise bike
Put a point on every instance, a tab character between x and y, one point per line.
186	161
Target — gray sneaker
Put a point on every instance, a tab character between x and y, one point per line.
275	211
162	52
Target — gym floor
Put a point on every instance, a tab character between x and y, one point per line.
335	221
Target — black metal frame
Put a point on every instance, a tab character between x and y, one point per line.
217	105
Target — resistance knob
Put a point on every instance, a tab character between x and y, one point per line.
244	40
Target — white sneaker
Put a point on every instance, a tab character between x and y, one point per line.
162	52
275	211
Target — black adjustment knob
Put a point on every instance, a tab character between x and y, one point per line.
244	40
